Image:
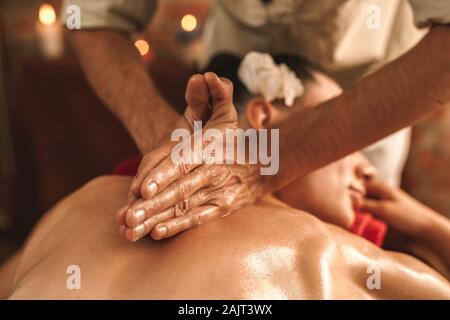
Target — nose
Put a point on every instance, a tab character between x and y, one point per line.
368	173
365	170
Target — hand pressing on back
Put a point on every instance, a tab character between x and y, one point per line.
166	196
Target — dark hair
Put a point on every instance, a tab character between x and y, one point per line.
227	65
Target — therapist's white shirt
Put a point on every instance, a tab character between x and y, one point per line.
347	38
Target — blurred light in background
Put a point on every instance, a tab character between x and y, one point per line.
189	22
142	46
47	15
49	33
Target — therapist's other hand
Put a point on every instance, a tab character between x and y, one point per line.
167	197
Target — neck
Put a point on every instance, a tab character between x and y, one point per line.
270	199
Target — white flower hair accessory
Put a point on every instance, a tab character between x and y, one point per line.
262	76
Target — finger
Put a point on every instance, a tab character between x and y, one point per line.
120	217
148	163
196	200
379	190
193	218
134	234
169	197
197	97
171	170
376	207
221	91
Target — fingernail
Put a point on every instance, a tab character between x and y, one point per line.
152	188
139	216
139	232
162	231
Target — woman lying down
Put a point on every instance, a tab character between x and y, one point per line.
291	245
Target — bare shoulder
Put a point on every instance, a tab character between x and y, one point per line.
331	262
103	192
92	202
108	181
103	186
287	250
399	276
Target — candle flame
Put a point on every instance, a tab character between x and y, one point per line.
189	22
47	15
142	46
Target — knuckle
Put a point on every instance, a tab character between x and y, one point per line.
182	190
175	227
157	176
213	171
221	177
181	208
184	167
151	206
198	219
200	197
226	203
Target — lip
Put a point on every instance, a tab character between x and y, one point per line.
357	196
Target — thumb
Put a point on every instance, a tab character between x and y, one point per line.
221	93
379	190
197	97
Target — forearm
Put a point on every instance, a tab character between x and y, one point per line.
398	95
436	237
117	74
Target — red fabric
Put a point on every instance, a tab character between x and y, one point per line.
370	228
128	167
365	225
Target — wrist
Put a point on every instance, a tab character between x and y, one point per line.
148	128
434	229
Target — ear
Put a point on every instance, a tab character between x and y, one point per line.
261	114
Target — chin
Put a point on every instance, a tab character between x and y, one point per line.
341	216
349	219
344	218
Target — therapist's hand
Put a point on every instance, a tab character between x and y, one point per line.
167	197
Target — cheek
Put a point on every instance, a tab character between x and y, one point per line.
344	215
335	207
339	204
327	199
